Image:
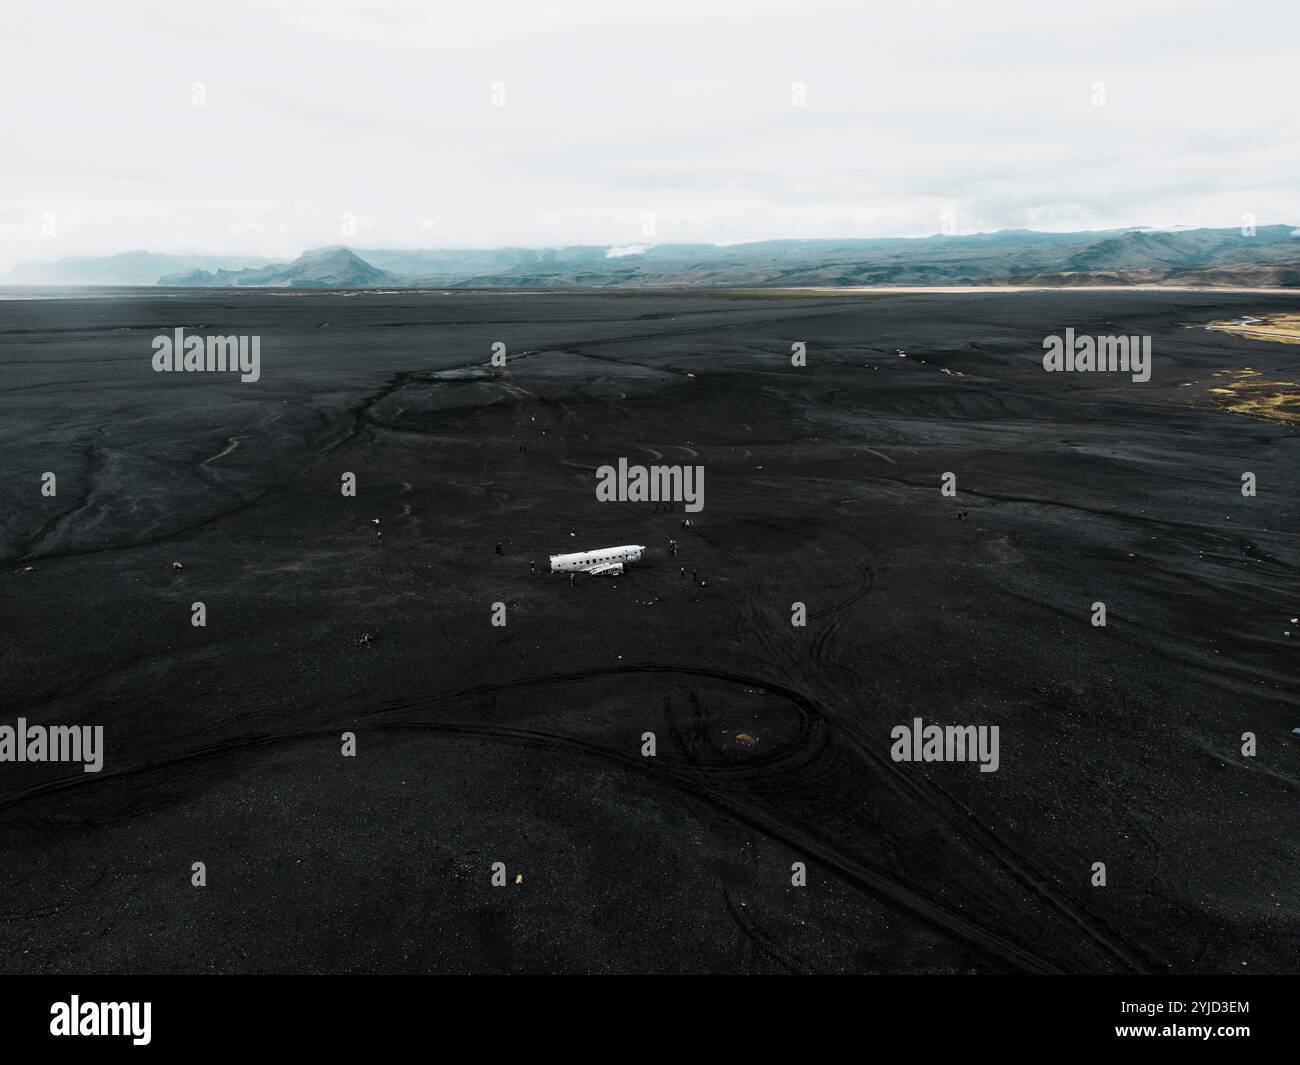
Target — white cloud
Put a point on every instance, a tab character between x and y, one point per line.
682	110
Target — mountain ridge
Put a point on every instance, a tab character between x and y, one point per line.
1005	257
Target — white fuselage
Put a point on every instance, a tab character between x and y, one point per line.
606	559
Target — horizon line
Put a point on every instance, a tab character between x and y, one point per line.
650	245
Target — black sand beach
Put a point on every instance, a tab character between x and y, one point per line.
522	744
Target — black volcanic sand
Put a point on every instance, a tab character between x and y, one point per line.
522	744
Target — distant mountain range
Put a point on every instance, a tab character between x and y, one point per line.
126	268
1269	258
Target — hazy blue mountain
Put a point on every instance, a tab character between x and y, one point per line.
126	268
1140	256
327	268
1189	248
1007	257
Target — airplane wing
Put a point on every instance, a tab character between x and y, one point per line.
610	569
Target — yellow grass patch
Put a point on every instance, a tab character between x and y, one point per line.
1280	328
1245	394
1245	391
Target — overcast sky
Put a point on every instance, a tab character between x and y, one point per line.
319	113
